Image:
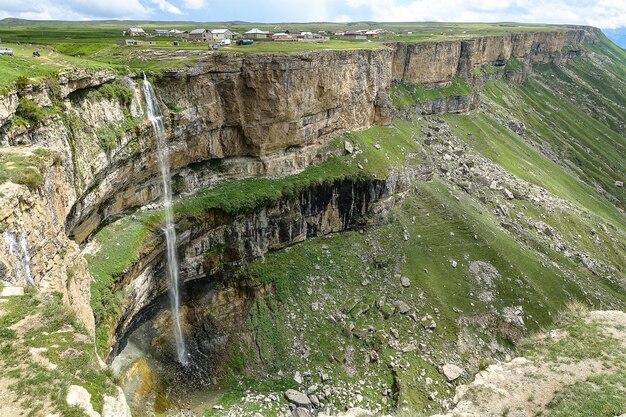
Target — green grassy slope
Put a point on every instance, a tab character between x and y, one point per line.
573	147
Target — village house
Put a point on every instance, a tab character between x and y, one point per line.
199	35
284	37
175	33
161	32
219	35
339	32
350	35
255	34
372	34
135	32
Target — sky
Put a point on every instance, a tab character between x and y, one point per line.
606	14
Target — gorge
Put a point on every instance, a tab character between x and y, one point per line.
343	223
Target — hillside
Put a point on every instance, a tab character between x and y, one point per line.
357	227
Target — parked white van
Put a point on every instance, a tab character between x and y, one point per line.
6	51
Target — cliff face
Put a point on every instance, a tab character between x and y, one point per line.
261	114
437	62
213	241
35	250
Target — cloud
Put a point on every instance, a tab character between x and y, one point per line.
342	18
74	9
601	13
195	4
167	7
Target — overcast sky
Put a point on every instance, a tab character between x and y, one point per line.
601	13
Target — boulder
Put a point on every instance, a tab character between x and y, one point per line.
451	371
116	406
403	307
300	412
298	398
79	397
297	376
405	282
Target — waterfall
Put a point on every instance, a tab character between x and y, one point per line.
156	118
18	247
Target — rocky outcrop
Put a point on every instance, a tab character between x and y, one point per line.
213	241
437	62
8	105
443	105
35	249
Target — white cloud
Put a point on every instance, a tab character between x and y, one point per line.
195	4
290	11
74	9
342	18
166	6
601	13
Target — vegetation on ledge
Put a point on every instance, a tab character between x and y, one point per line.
405	95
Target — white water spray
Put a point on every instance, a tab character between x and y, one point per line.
156	118
18	247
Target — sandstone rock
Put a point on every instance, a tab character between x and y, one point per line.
348	147
451	371
405	282
116	406
403	307
314	400
298	378
298	398
78	396
300	412
352	412
619	184
453	263
11	291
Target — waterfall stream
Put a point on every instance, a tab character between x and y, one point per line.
18	247
156	118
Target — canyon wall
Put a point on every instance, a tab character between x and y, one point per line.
258	114
214	241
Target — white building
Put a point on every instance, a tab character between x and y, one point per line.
255	33
219	35
135	32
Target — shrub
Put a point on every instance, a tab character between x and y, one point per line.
22	82
113	91
107	137
30	111
54	88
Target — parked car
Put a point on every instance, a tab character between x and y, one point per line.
6	51
245	42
